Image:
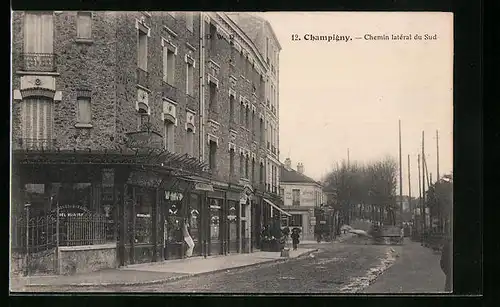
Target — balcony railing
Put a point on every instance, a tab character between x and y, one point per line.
34	144
169	91
142	77
43	62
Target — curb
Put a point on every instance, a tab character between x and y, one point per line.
171	278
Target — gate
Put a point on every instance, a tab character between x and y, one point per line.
36	236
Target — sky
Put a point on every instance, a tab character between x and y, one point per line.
336	97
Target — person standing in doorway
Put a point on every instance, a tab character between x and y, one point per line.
295	239
446	263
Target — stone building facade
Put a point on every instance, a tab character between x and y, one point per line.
144	102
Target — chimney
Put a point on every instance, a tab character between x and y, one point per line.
300	168
288	163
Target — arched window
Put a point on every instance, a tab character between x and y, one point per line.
169	135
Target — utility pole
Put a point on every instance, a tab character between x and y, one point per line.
348	163
423	180
437	154
400	176
410	207
440	219
419	190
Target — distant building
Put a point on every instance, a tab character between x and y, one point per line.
302	195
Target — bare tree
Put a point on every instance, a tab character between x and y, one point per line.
373	186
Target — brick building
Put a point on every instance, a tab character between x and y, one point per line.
138	119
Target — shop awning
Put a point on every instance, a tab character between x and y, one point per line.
277	208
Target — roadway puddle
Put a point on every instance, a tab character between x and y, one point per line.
356	284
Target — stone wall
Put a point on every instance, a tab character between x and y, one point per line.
83	259
39	263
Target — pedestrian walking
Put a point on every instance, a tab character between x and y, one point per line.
295	239
446	263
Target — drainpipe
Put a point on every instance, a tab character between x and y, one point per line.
202	89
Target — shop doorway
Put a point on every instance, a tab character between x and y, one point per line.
173	243
232	219
216	220
194	222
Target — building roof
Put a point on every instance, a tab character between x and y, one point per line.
291	175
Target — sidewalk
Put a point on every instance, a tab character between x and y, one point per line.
150	273
416	270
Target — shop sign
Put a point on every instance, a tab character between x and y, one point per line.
204	187
174	196
69	210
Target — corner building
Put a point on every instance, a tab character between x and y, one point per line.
141	123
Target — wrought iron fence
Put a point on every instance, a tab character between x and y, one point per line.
45	231
45	62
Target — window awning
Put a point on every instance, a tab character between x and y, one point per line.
277	208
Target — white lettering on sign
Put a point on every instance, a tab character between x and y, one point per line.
70	214
175	196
